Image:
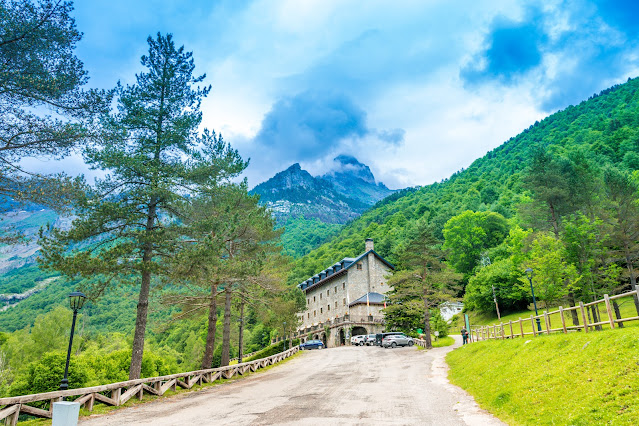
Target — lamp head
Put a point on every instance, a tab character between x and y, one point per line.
529	272
76	300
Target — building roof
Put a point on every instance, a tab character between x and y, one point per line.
373	299
345	264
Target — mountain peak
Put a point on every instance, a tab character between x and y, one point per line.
347	165
347	159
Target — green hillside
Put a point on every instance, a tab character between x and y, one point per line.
605	128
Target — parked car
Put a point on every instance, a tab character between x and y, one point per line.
370	340
312	344
379	337
395	340
359	340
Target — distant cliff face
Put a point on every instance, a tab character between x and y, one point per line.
336	197
355	180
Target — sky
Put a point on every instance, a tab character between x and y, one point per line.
414	89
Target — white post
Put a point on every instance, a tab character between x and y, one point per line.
65	413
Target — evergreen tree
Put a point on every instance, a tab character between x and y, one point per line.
40	74
622	193
423	276
129	225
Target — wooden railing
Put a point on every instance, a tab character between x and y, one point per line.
420	342
511	329
116	394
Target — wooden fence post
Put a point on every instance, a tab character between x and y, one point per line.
502	331
547	320
563	320
521	327
583	316
511	329
611	318
532	322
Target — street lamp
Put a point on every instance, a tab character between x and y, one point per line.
76	300
529	273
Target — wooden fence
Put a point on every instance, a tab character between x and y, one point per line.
511	329
116	394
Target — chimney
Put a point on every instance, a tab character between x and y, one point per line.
369	244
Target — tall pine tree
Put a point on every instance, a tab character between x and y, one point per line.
130	224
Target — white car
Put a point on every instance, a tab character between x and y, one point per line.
358	340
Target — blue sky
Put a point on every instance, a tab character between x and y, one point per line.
414	89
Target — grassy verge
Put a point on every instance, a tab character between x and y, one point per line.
99	408
444	341
576	379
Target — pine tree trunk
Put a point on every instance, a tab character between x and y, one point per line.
226	332
241	337
207	360
615	306
571	302
429	343
595	316
137	351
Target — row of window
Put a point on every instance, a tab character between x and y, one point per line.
328	308
328	293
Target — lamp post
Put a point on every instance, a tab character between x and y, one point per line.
529	273
76	300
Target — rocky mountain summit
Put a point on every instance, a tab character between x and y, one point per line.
336	197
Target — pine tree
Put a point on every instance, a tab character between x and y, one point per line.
130	224
424	276
40	75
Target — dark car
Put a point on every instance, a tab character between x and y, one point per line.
380	336
312	344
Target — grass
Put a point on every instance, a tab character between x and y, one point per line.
99	408
626	307
443	341
575	379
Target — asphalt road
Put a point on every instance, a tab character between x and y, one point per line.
341	386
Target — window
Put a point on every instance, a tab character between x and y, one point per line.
321	310
308	301
309	315
314	313
344	301
320	296
328	292
343	285
335	289
328	308
313	299
359	266
335	304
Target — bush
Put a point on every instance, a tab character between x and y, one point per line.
45	375
272	350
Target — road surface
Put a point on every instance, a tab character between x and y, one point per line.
341	386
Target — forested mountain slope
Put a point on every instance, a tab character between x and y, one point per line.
605	128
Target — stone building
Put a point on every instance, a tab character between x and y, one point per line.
346	299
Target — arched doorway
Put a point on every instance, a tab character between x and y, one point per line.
342	337
316	337
357	331
324	339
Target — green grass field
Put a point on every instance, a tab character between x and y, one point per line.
575	379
